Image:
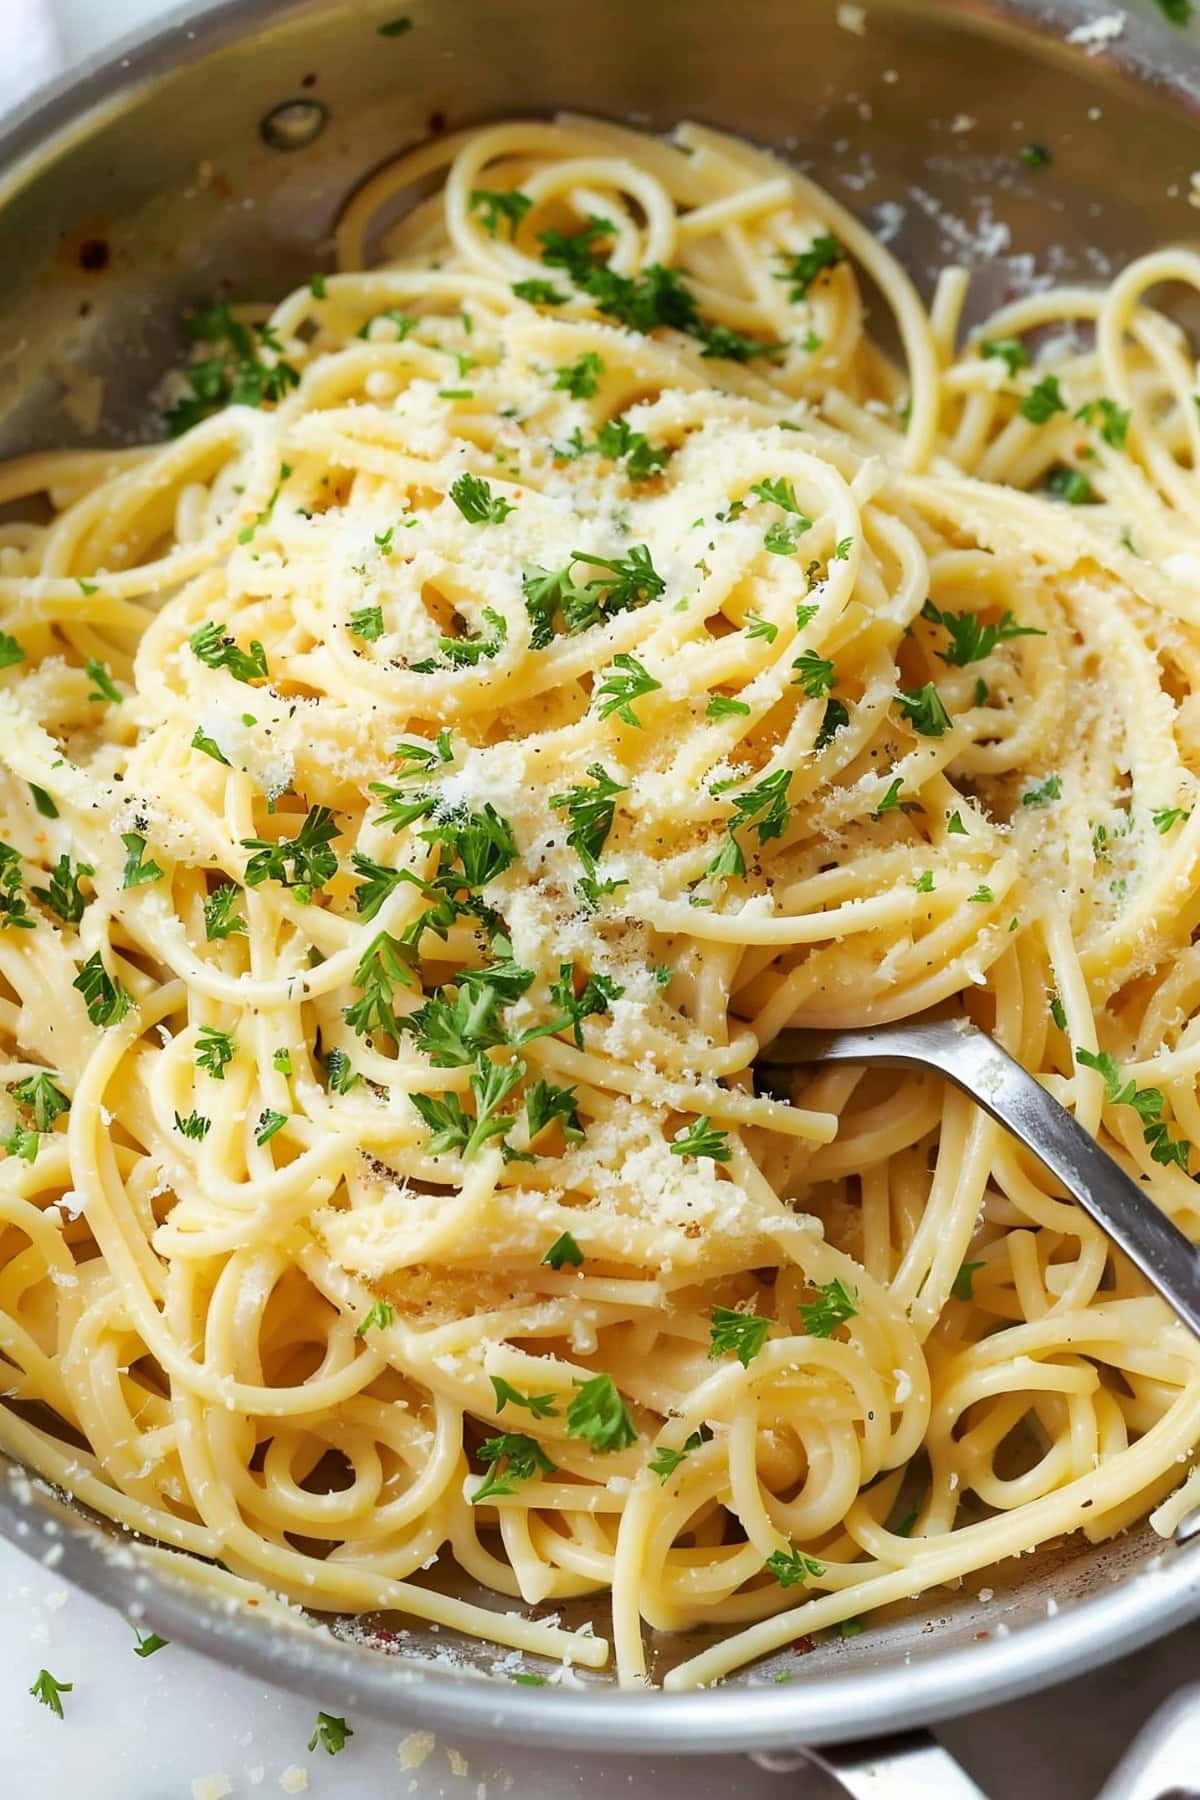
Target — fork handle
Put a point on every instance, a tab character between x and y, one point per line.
975	1062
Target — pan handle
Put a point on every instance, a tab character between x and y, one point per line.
908	1765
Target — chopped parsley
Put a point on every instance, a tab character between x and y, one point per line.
628	682
1011	351
1147	1103
815	674
236	373
106	1000
148	1643
210	747
221	920
137	869
1114	420
385	964
212	645
792	1568
544	1103
540	1405
802	267
924	710
269	1123
214	1051
580	378
1071	485
42	1097
523	1459
105	688
970	639
598	1414
304	863
703	1140
1034	156
620	443
1165	817
591	811
367	623
49	1690
963	1285
380	1316
564	1249
14	908
1042	401
498	206
835	1304
194	1126
331	1732
1044	793
63	894
475	501
743	1333
12	653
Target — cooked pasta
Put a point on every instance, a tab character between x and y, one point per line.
558	649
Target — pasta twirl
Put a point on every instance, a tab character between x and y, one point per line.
557	650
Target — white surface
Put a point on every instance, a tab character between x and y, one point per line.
145	1730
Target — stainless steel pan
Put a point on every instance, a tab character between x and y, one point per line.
212	157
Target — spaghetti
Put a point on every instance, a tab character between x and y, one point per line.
557	650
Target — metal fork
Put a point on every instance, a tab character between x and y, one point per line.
974	1062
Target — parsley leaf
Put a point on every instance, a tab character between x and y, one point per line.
220	918
923	709
1043	401
210	747
703	1139
211	644
386	963
743	1333
475	501
49	1690
1165	817
1114	420
630	582
137	870
815	674
598	1414
305	862
970	639
1050	789
543	1104
105	688
1148	1104
43	1097
630	681
106	1000
500	204
802	267
1011	351
14	909
836	1304
214	1051
269	1123
381	1315
580	379
194	1126
540	1405
591	811
564	1249
792	1568
367	623
523	1457
963	1285
331	1732
63	895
